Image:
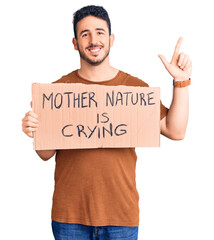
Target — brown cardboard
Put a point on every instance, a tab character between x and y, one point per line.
78	115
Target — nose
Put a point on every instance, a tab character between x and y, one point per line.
93	39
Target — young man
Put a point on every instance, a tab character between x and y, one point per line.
95	191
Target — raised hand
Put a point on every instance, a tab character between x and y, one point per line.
180	67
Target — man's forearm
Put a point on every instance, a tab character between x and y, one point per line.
177	117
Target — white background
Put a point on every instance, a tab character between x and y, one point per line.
176	181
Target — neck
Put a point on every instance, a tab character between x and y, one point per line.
98	73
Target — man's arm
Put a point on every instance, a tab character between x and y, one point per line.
174	124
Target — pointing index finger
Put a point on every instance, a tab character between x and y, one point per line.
178	45
177	49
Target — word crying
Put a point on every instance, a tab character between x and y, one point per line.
99	131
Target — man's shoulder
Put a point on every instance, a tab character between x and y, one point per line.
123	77
131	80
68	78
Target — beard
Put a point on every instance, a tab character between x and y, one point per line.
90	61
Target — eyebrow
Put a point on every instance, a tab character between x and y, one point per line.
100	29
87	30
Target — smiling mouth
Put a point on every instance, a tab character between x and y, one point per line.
94	49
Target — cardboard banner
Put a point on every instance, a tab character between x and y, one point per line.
77	115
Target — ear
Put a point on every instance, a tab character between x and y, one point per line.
74	41
112	39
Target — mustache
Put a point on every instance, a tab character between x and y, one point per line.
94	46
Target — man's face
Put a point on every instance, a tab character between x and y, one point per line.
93	41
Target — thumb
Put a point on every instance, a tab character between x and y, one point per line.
164	61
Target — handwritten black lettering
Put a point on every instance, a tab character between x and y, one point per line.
110	98
91	98
48	98
134	103
92	131
63	131
109	131
119	98
68	93
80	130
60	100
122	131
142	99
150	98
127	96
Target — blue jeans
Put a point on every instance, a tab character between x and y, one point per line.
68	231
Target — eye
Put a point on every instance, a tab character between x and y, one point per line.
100	33
85	35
